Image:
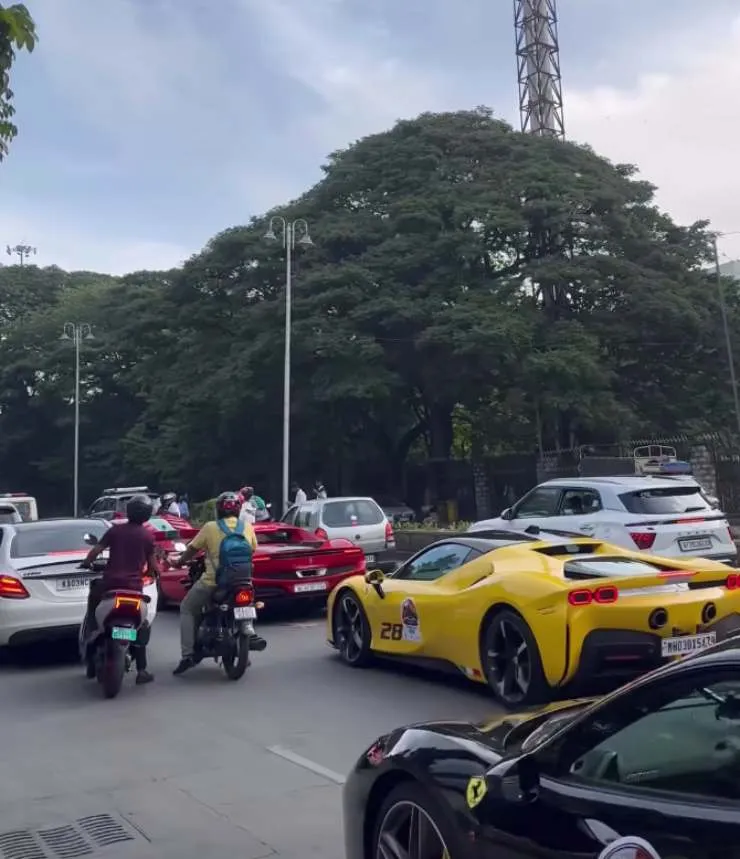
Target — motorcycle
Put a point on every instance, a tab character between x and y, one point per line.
120	624
225	630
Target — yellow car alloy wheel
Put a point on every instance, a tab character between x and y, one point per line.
511	659
351	630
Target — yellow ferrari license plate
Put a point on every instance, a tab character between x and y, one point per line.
684	645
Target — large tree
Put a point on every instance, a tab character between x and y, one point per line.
471	290
17	33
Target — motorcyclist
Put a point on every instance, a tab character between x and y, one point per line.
228	507
130	548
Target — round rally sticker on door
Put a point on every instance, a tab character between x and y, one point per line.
629	847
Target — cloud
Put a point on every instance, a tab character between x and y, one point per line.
679	122
149	125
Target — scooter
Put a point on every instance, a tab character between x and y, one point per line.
120	624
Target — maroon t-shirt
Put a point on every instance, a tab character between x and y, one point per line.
129	546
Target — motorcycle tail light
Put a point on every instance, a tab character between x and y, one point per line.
245	596
147	580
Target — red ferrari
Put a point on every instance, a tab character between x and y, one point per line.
290	565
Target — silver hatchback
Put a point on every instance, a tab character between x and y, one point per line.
360	520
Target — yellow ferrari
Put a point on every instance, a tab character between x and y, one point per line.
535	615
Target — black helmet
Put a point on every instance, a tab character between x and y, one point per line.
228	504
139	509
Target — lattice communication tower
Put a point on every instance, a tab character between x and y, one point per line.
538	68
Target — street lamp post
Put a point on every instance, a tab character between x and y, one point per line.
23	252
726	329
77	332
287	232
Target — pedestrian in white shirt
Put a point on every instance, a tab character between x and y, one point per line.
299	496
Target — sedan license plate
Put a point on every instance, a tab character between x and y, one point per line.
700	544
309	587
245	612
123	633
78	583
369	559
683	645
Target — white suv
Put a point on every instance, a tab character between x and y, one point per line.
661	515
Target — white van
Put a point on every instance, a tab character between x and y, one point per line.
24	504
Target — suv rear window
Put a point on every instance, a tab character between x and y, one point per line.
45	540
345	514
674	499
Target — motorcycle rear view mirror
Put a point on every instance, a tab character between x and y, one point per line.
90	539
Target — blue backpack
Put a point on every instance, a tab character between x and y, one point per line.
234	556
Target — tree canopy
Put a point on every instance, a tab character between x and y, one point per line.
471	290
17	33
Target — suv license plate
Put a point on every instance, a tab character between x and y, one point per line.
309	587
683	645
245	612
369	559
698	545
123	633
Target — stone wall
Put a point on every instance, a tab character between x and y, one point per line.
702	462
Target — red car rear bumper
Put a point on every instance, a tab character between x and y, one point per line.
269	590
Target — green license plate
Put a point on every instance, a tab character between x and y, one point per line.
123	633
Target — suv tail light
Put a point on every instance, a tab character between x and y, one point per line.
12	588
602	596
321	533
390	537
643	539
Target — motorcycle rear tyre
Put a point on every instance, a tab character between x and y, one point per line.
237	662
112	669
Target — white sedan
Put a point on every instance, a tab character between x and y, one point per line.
43	590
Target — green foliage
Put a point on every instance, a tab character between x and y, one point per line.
471	290
17	33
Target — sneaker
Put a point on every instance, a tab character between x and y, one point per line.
185	664
257	643
143	677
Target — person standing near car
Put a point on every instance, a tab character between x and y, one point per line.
209	538
169	504
320	489
184	506
252	505
299	496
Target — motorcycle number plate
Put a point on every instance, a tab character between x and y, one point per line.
245	613
123	633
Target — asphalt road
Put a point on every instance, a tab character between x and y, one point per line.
199	766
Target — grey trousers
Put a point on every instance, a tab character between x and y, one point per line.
191	608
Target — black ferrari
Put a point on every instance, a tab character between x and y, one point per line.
650	771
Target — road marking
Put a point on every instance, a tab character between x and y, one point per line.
312	766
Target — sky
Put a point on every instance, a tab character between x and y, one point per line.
147	126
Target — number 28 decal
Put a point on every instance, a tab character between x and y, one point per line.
391	631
